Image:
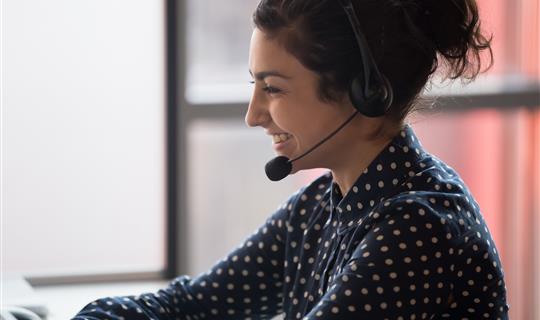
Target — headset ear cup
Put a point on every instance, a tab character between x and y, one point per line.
387	94
356	94
378	101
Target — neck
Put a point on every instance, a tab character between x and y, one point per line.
369	141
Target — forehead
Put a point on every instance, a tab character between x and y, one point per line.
267	54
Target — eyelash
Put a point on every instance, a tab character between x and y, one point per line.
268	89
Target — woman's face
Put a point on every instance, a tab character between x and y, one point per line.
285	102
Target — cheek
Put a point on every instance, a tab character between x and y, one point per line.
304	117
304	128
291	118
282	115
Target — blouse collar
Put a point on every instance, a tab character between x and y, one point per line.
385	174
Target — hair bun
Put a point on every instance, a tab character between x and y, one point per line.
453	27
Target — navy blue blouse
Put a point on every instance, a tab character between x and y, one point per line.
406	242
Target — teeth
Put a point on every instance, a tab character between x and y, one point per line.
280	137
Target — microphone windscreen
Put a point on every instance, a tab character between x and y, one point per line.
278	168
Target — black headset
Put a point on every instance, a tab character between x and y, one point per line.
370	91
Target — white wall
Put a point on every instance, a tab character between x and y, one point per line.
82	136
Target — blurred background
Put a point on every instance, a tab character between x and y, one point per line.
125	156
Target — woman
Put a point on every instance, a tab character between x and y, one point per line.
390	232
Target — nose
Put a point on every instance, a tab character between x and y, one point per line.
257	113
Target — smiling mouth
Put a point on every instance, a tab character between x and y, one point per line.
279	138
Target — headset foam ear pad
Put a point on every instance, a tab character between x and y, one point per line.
377	101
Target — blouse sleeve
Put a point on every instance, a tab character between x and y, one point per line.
404	266
246	284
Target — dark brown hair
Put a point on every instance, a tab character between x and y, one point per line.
409	39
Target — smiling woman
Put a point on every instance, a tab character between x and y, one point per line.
390	230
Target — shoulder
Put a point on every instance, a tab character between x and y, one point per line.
433	201
433	184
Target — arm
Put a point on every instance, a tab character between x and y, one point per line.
246	284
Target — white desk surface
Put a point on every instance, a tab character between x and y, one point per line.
65	301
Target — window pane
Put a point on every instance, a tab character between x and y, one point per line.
83	137
217	53
219	32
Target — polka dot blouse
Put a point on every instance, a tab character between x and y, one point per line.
406	242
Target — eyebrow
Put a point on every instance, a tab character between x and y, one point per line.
271	73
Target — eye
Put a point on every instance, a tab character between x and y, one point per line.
268	89
271	90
